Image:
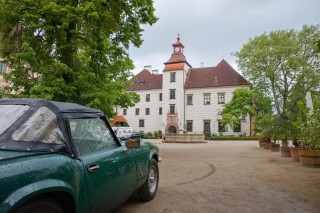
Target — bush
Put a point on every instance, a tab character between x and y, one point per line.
233	138
149	135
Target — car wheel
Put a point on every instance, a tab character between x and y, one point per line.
43	204
150	187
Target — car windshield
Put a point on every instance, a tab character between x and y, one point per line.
9	114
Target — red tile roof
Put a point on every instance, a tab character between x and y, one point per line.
144	80
119	119
221	75
170	67
176	58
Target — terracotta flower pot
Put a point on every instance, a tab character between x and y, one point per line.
274	147
267	145
310	157
285	151
261	143
294	151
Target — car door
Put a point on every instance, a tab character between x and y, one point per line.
110	168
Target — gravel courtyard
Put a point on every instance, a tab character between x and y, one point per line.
229	176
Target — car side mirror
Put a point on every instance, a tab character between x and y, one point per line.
133	143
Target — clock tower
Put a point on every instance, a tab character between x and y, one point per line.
174	77
178	46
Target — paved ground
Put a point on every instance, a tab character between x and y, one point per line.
229	177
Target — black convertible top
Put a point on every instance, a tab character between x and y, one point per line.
41	119
61	106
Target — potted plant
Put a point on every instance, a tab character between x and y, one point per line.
308	123
294	150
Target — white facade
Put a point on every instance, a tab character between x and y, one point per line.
209	89
199	112
152	122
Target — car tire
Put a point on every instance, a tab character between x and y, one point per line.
42	204
149	189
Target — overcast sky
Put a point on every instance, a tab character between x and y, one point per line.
211	30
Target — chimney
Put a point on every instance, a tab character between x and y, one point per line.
215	80
148	67
155	72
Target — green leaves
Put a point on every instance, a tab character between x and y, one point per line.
245	102
277	62
74	50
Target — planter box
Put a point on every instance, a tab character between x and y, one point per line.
185	138
275	147
294	151
267	145
285	151
261	143
310	157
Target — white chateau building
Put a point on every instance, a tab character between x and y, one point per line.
183	98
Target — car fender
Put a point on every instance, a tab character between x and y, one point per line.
20	196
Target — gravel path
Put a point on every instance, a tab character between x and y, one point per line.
229	176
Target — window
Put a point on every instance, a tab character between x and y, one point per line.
147	97
172	94
141	123
189	126
238	128
124	111
160	97
147	111
221	98
221	128
9	114
41	126
172	109
137	111
206	98
189	99
3	67
173	77
91	135
160	110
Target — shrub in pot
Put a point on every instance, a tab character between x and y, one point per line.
308	123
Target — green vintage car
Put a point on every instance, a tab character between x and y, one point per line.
64	157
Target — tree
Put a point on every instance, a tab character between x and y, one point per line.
73	50
245	102
277	62
283	65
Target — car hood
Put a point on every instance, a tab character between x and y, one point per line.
5	154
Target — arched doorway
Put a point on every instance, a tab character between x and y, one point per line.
172	130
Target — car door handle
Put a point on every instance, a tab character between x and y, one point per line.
93	167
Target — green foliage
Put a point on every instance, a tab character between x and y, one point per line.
233	138
245	102
73	51
149	135
155	133
283	65
277	62
308	124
